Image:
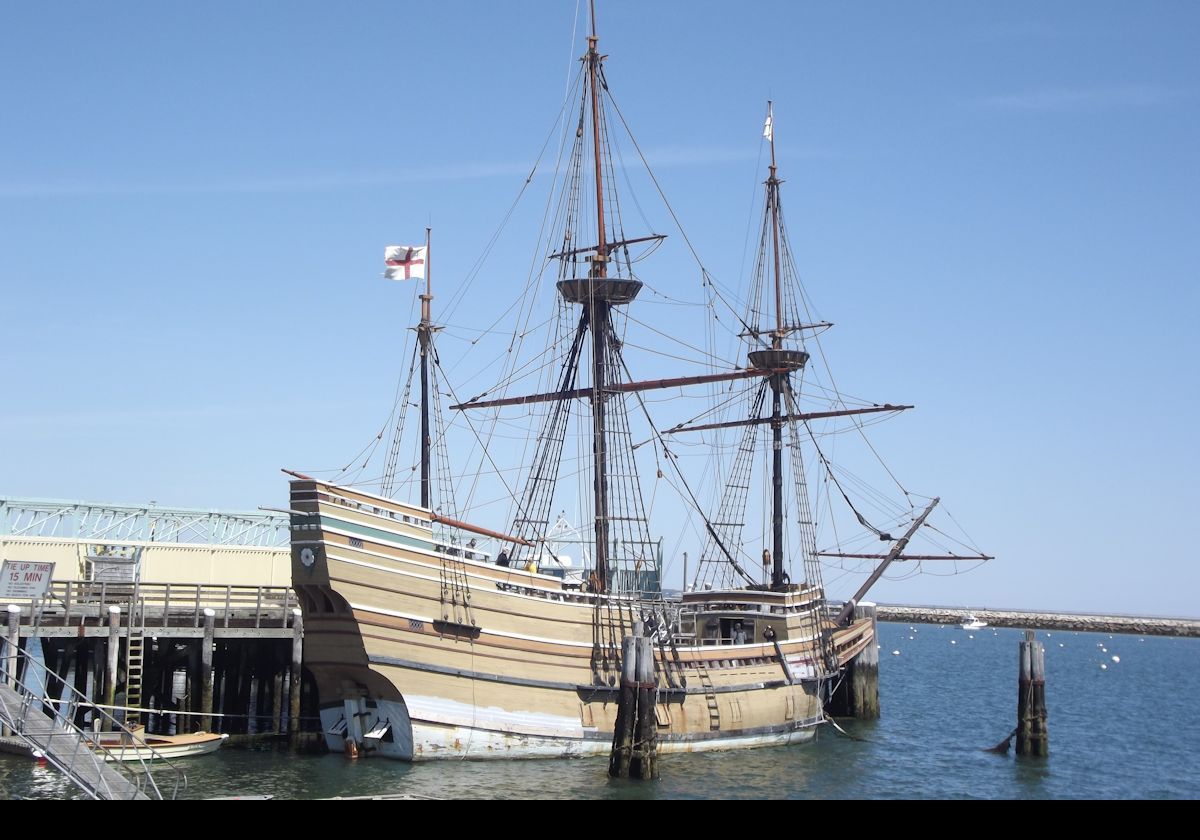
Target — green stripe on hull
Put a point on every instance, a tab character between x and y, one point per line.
374	534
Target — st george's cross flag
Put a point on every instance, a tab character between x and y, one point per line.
405	262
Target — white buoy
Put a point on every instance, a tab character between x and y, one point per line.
953	642
895	653
1060	644
910	638
1116	659
970	635
1103	667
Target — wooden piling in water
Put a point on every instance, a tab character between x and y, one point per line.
12	644
622	747
635	736
864	670
644	763
81	679
296	681
114	650
1033	736
857	695
206	670
240	699
277	701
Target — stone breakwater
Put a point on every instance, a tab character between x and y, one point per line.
1044	620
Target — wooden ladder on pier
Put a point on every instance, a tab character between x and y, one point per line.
135	658
710	696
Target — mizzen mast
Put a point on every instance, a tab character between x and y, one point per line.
777	357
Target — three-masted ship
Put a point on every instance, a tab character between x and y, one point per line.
424	644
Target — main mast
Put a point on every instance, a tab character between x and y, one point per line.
598	293
596	312
596	274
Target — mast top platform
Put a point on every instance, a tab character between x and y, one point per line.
777	358
612	290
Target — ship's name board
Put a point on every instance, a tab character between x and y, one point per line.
21	579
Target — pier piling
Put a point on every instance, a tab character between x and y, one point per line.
12	644
622	748
295	678
644	759
635	737
81	678
277	702
1033	737
114	650
857	696
206	669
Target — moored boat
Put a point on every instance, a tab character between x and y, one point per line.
139	746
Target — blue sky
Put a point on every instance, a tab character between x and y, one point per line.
998	206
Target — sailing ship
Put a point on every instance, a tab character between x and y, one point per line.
428	636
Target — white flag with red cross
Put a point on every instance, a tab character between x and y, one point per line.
405	262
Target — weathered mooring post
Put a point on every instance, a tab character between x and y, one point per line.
622	748
206	669
1033	737
864	670
296	680
114	650
644	763
635	737
277	699
81	677
857	695
12	644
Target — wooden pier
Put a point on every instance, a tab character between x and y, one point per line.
227	654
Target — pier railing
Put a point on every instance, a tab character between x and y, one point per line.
71	603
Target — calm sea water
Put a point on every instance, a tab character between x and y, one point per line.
1129	731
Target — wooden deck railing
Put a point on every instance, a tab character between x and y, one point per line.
69	603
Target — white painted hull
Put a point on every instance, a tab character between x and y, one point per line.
433	740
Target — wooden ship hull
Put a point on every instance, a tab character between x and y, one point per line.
419	651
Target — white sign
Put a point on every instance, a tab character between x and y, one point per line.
19	579
113	569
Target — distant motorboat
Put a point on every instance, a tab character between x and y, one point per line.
970	622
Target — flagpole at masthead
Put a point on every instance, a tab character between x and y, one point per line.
423	337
